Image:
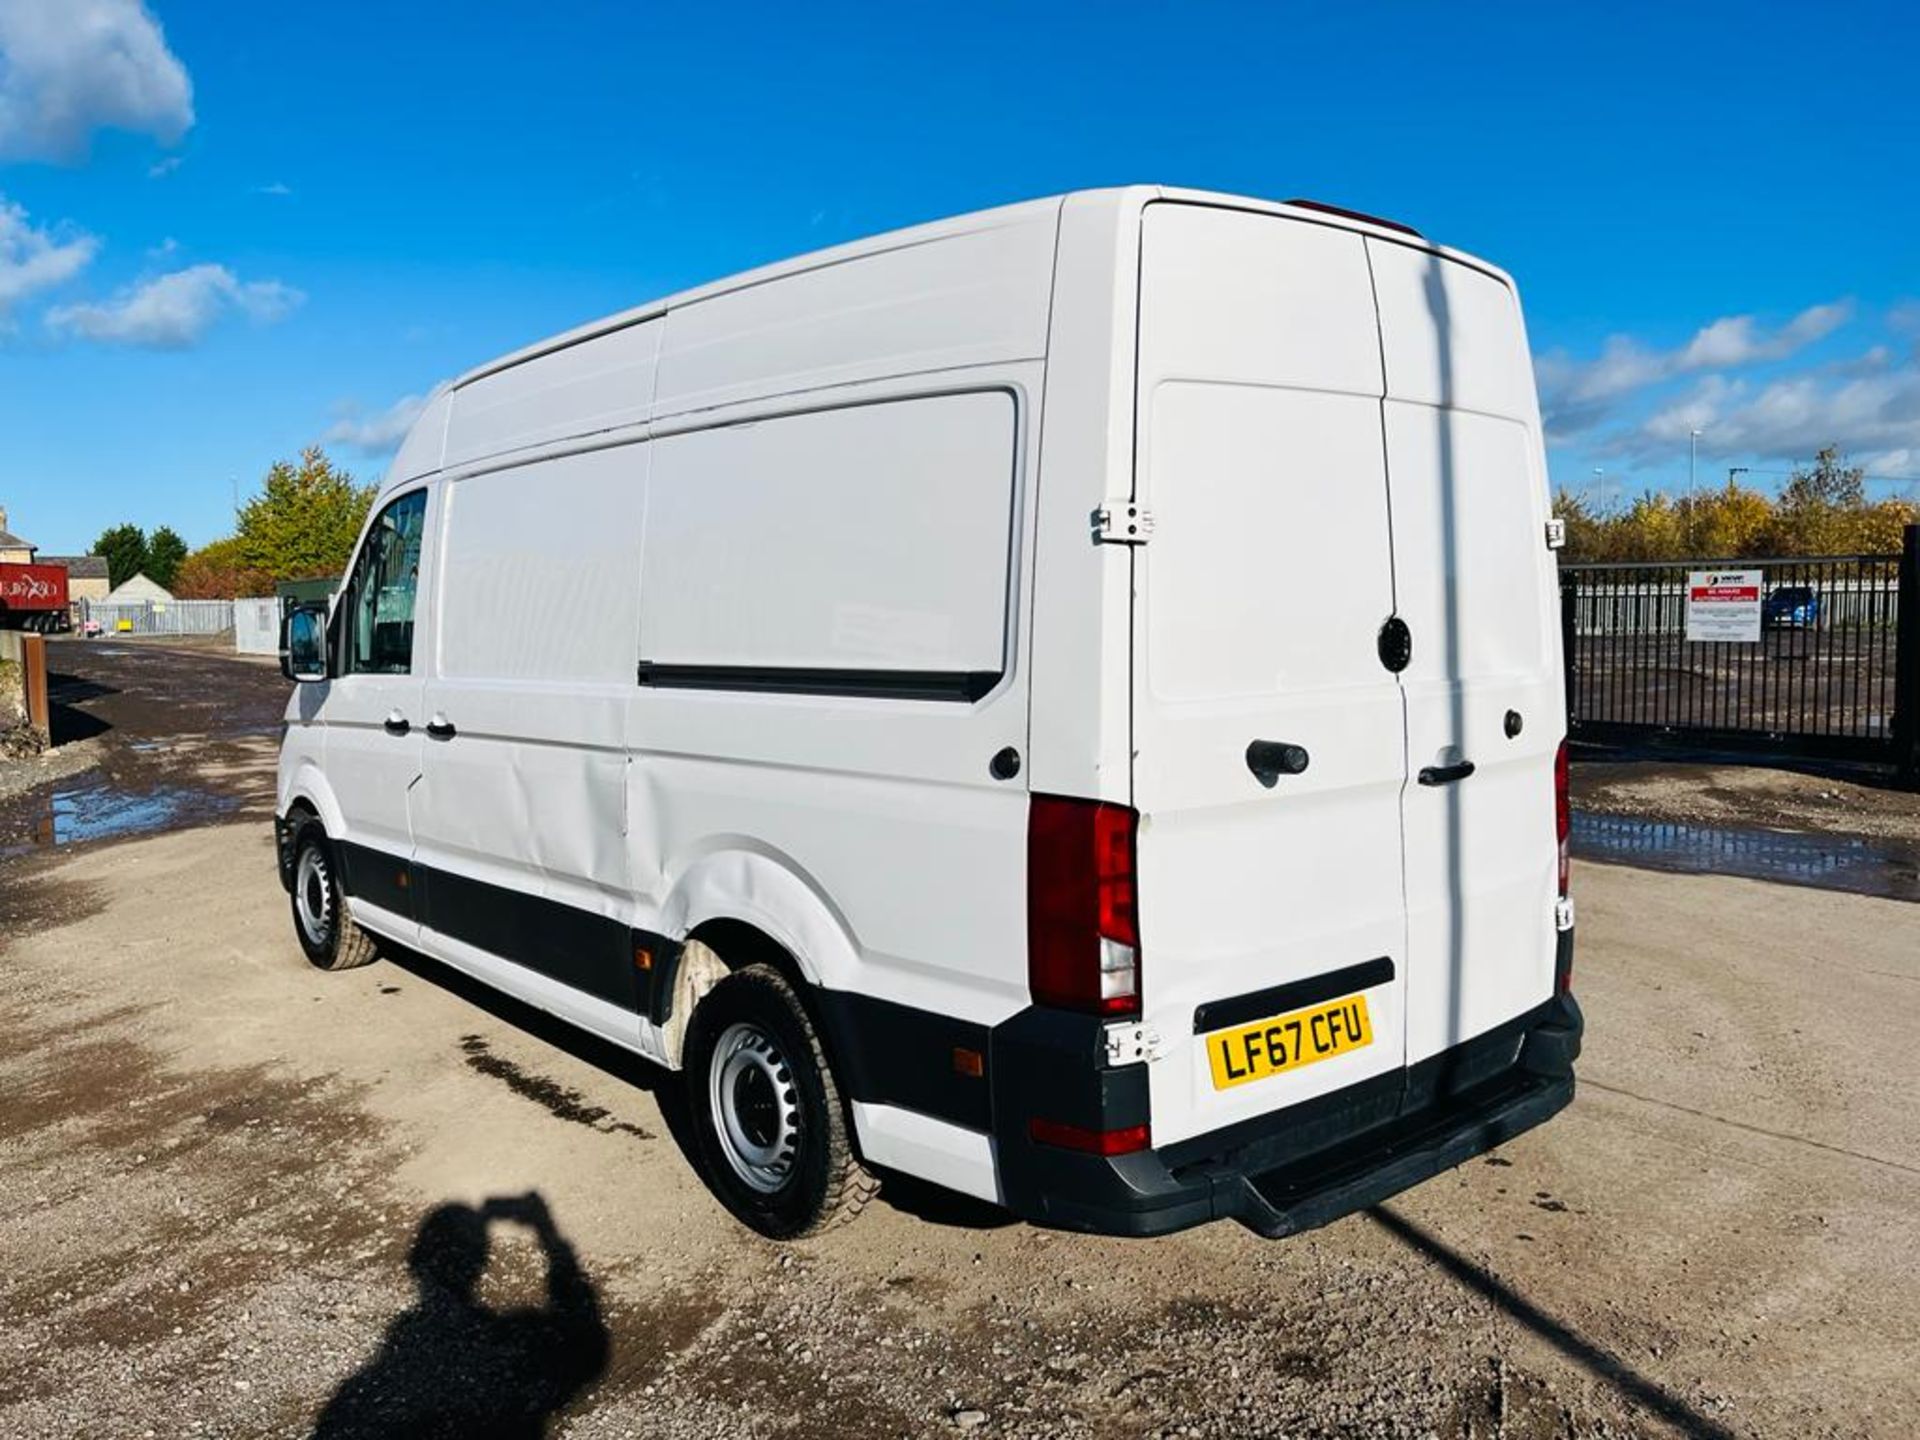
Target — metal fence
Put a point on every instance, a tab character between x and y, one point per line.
256	626
1832	670
160	617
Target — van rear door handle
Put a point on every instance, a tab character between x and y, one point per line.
441	728
1270	759
1446	774
396	724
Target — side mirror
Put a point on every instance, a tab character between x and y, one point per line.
303	643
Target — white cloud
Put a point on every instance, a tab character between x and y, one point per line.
378	434
1793	416
1738	341
164	166
1577	395
71	67
173	311
277	189
34	259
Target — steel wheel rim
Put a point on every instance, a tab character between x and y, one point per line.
756	1107
313	896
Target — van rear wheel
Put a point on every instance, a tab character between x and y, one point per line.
328	936
772	1132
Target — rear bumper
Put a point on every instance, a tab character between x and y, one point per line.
1312	1163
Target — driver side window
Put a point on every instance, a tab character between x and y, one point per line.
381	595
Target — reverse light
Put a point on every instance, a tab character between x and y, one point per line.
1091	1142
1083	928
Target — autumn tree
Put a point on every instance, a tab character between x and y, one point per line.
217	572
304	521
1822	510
124	547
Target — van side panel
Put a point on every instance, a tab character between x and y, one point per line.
796	570
866	538
520	815
973	298
601	384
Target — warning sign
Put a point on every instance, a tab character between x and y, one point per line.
1724	605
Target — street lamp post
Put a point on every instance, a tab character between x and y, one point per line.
1693	465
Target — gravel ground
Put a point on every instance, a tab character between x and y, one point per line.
239	1197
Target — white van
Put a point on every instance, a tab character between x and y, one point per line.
1064	703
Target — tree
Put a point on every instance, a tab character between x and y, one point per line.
1829	482
216	572
304	521
1822	510
165	551
125	550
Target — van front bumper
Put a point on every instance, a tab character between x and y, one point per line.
1304	1166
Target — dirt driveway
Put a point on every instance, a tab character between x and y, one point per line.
239	1197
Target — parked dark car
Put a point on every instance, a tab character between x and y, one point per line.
1791	607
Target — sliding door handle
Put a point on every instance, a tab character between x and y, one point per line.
396	724
1446	774
441	728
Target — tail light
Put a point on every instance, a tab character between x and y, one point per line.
1091	1142
1562	812
1083	927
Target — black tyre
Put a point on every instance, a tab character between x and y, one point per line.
331	939
767	1115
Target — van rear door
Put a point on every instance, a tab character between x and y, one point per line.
1477	589
1259	602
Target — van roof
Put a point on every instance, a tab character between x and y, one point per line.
1122	198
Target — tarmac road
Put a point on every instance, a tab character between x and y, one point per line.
239	1197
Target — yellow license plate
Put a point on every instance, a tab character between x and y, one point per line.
1287	1042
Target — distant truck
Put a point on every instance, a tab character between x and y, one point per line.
34	597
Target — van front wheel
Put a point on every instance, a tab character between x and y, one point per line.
328	936
771	1129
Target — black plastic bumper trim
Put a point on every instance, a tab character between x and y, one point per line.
1278	999
1288	1170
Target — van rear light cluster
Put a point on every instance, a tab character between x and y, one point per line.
1083	926
1563	813
1091	1142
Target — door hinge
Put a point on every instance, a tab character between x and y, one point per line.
1556	533
1122	522
1131	1044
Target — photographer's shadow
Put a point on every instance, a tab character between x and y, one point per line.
452	1365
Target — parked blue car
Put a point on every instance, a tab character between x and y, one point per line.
1791	607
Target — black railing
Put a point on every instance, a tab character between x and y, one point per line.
1825	673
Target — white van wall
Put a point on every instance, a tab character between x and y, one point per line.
866	544
873	537
789	475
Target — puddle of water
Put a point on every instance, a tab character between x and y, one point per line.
1853	863
100	811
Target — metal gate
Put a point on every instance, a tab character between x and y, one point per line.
160	617
1832	671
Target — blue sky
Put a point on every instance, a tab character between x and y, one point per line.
228	231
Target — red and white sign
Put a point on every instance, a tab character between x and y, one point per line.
33	587
1724	605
